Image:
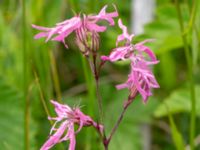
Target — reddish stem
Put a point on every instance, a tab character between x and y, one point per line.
131	97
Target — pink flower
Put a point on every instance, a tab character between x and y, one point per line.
141	78
124	35
67	118
119	53
83	27
127	51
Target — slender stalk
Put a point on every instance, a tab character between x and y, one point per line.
27	123
93	68
26	102
89	84
193	13
99	100
27	112
192	25
106	143
55	77
91	97
133	94
190	73
72	5
44	104
60	146
42	97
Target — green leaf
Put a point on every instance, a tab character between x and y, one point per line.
177	137
12	118
165	29
168	74
169	43
178	101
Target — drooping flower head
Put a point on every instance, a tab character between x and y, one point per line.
141	77
85	28
67	118
125	35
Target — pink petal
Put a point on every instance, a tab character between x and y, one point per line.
105	58
40	35
41	28
142	78
95	27
119	53
103	15
72	138
62	29
147	50
61	110
55	138
124	35
121	86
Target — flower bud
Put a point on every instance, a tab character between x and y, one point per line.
87	41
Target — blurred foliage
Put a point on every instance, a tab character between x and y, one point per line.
176	135
74	82
11	110
178	102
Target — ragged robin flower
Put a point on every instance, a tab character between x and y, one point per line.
86	30
64	126
141	57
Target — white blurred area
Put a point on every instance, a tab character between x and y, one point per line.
142	13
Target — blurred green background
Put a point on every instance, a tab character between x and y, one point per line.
31	70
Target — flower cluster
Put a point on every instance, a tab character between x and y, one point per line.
85	28
68	117
141	77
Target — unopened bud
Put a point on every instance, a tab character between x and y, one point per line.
87	41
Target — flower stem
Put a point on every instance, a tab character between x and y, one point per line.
27	123
61	146
27	119
91	97
190	73
26	102
42	97
127	103
193	13
55	77
93	68
99	98
95	71
107	141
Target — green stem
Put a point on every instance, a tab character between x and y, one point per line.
73	6
89	84
60	146
193	13
27	123
26	102
27	119
42	97
190	73
91	96
55	77
93	68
